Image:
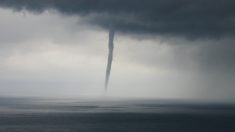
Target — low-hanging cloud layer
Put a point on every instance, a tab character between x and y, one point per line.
202	19
178	48
187	18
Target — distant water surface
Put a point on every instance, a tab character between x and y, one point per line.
102	115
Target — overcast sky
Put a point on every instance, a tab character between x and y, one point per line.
168	49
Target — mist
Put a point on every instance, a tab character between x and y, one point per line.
51	54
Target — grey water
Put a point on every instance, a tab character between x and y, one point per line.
113	115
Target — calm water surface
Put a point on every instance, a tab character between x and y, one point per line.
40	115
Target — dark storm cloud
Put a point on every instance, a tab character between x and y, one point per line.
187	18
196	19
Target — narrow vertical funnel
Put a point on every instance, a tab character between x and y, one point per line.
110	56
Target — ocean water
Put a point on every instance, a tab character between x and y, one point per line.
83	115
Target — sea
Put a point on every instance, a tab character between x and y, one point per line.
113	115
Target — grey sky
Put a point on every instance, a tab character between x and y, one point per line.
52	53
188	18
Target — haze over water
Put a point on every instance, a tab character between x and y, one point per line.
169	63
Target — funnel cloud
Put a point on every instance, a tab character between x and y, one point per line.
172	49
110	57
